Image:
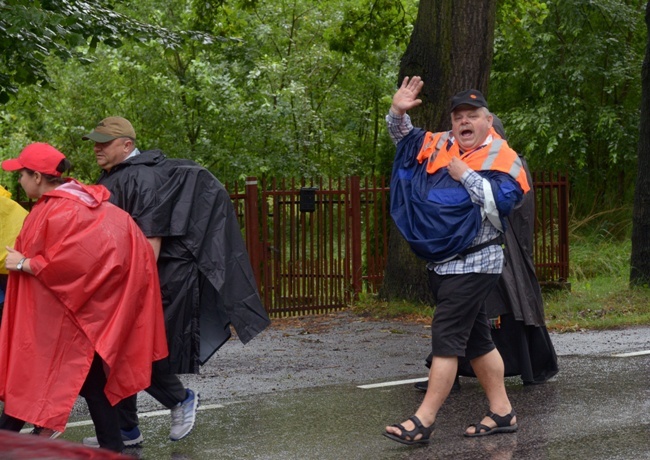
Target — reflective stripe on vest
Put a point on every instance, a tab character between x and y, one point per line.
496	156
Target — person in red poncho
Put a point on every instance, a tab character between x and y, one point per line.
83	313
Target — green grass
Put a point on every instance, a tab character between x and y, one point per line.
599	298
370	306
604	302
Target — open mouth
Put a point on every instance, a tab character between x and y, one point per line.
466	133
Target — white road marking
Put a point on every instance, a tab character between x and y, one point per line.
634	353
153	413
392	384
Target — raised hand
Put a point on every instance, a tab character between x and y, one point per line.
406	96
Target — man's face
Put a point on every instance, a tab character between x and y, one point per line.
111	153
470	126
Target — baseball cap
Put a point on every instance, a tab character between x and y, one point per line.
471	97
39	157
111	128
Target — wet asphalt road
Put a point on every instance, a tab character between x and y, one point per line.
293	393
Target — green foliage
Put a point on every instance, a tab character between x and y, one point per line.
31	31
301	88
271	100
369	27
600	246
566	83
600	296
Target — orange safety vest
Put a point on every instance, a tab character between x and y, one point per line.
495	155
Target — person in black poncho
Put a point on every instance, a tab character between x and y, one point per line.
206	279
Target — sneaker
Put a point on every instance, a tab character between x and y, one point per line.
45	432
130	438
183	416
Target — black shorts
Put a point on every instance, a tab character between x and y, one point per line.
460	325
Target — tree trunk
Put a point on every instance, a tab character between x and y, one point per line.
451	49
640	261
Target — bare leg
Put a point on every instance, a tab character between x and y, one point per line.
489	371
441	378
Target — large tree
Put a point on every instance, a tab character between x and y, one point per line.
640	272
451	49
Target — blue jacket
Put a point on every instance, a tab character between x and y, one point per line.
434	212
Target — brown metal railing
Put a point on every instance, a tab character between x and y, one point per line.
315	245
316	260
551	249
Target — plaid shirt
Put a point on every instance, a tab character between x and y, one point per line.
488	260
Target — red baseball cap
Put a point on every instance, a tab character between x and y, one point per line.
39	157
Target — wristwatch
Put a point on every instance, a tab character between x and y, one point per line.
19	265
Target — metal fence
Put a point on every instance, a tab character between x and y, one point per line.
551	249
314	245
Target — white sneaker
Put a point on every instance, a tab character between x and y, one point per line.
183	416
130	438
45	432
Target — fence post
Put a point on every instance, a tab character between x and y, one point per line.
252	227
355	227
564	225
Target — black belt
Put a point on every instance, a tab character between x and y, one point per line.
498	241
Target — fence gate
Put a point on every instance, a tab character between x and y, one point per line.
318	243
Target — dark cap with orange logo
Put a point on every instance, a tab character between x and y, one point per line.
471	97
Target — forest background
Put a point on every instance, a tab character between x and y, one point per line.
298	88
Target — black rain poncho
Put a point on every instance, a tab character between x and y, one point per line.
206	279
520	333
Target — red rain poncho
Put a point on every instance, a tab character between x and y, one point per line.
94	290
